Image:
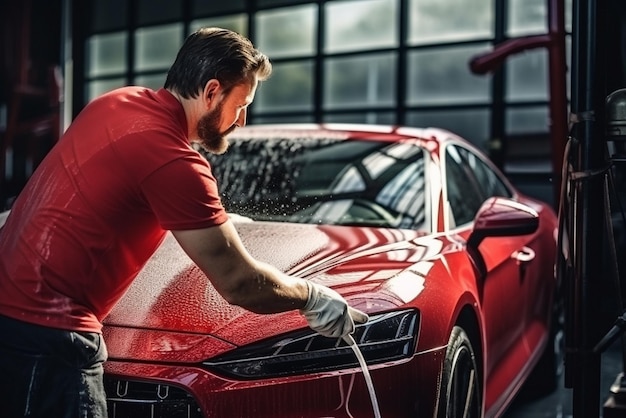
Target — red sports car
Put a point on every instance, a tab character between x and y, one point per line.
416	227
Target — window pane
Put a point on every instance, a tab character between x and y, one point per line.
360	24
488	181
464	199
99	87
568	15
527	76
451	20
472	124
527	17
156	47
380	118
237	23
286	32
108	15
527	120
106	54
442	76
153	81
360	81
289	88
204	7
158	11
271	3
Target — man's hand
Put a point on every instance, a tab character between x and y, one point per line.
328	313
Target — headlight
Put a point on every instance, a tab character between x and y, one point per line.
385	337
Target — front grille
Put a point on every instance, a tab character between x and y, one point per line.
132	399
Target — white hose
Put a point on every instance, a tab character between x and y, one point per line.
368	379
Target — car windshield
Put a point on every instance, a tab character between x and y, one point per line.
323	181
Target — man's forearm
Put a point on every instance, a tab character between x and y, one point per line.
268	290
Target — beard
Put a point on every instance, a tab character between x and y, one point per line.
211	139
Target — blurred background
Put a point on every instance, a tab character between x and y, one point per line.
401	62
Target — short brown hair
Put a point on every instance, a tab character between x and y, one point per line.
215	53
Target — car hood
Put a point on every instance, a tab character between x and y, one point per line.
171	295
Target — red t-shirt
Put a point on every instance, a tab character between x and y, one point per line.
97	208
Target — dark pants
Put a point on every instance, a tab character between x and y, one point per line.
50	373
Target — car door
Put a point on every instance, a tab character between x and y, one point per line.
533	261
503	289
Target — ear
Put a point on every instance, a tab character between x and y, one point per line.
211	92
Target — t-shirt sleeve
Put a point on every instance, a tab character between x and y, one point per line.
183	194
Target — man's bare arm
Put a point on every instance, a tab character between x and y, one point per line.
236	275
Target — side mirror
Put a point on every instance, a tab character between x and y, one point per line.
500	217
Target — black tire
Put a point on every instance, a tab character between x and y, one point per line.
460	391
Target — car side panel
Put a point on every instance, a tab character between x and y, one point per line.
503	304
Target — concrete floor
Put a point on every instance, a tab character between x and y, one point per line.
559	403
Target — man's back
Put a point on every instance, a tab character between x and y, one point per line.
82	227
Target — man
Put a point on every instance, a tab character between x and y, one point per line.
98	206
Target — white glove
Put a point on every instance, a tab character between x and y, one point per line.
328	313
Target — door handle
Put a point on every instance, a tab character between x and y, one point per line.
524	255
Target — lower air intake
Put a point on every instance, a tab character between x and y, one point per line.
131	399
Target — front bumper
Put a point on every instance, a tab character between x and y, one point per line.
404	389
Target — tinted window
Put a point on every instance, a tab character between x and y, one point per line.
488	180
464	196
470	182
323	181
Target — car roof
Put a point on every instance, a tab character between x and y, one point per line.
344	131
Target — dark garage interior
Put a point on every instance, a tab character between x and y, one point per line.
539	87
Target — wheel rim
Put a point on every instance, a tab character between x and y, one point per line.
463	386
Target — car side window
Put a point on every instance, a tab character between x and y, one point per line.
488	181
464	196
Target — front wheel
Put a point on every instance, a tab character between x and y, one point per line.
460	392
